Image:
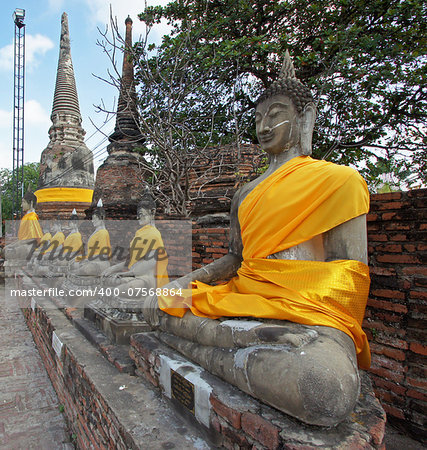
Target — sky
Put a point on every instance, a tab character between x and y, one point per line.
42	33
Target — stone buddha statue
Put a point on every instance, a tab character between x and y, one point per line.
146	264
286	328
98	254
29	233
72	247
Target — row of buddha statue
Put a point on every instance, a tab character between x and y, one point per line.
286	327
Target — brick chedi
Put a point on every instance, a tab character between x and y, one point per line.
119	178
216	175
66	165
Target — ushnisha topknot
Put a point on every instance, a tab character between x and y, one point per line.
288	84
29	197
99	211
74	215
147	202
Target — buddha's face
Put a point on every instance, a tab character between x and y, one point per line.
96	221
277	124
25	205
144	216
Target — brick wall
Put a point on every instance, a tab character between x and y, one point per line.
396	313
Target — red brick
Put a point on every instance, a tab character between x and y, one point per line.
396	226
388	216
371	217
415	270
417	383
418	294
382	271
261	430
395	412
386	196
396	366
387	374
417	394
391	205
389	293
398	237
387	351
377	237
232	416
409	248
389	306
422	247
393	248
235	437
399	259
389	385
418	348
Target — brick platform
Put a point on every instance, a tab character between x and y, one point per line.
236	420
29	408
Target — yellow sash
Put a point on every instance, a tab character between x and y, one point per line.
73	244
301	199
148	238
57	240
44	241
99	243
29	227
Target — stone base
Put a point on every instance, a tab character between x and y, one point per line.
117	325
238	420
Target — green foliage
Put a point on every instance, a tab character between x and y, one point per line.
365	62
31	176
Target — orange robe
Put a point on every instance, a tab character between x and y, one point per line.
301	199
148	239
29	227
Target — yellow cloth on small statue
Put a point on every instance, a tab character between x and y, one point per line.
99	243
29	227
44	241
56	241
148	239
73	244
301	199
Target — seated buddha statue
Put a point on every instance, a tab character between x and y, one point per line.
286	328
146	264
45	258
29	232
98	254
72	247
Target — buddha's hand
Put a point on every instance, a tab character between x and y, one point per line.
108	272
151	311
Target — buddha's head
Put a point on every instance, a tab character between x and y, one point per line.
285	114
98	215
146	210
73	221
29	201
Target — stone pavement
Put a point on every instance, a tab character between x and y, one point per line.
30	416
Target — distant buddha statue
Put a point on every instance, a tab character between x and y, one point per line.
29	232
297	258
146	264
72	247
98	254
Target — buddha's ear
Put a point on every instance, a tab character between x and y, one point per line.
308	118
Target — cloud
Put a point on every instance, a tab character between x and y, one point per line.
35	48
37	123
100	11
36	115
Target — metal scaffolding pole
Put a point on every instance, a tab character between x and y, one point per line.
18	110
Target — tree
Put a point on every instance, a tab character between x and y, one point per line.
365	63
31	176
181	134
